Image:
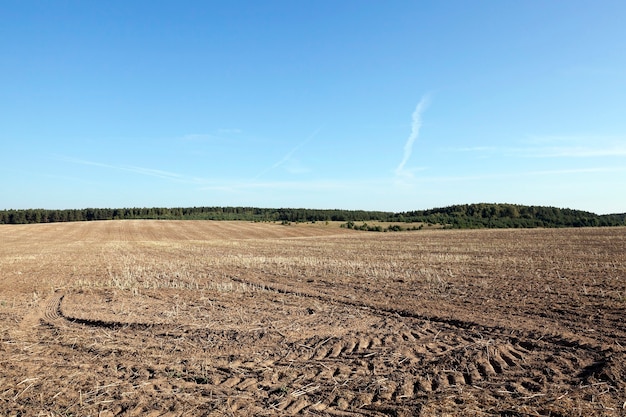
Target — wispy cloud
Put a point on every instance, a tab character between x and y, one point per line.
554	147
202	137
415	130
295	166
229	131
519	174
289	156
473	149
221	135
575	171
577	152
133	169
314	185
352	186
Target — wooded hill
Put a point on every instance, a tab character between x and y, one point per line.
457	216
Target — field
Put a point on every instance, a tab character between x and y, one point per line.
172	318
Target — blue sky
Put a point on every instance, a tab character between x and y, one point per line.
395	105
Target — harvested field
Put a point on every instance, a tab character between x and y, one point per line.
172	318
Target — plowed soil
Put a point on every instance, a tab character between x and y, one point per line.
173	318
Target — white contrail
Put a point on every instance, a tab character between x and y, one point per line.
129	168
415	129
289	154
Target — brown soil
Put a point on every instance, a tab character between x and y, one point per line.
160	318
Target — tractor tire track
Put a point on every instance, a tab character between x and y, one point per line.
440	355
401	362
47	310
52	308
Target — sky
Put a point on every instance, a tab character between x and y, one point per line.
373	105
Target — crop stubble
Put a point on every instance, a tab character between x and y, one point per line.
234	318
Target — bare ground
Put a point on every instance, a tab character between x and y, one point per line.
157	318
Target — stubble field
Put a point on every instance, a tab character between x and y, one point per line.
172	318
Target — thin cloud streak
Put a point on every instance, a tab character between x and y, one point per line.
579	152
289	154
235	185
313	185
473	149
227	131
576	171
481	177
415	129
201	137
134	169
599	150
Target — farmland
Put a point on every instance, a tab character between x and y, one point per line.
147	317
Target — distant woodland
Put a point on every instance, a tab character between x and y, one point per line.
466	216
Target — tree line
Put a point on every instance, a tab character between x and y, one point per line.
187	213
464	216
472	216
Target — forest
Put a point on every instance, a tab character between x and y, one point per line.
464	216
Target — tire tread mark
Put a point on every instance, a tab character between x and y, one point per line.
52	309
